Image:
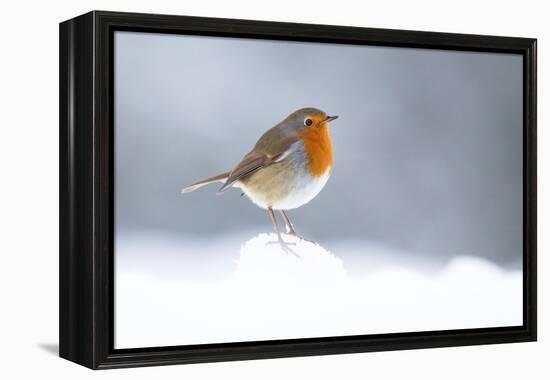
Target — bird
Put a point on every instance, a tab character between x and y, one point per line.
288	167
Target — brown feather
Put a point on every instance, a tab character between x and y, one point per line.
271	146
217	178
248	165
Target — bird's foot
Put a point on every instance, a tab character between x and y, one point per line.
294	234
284	246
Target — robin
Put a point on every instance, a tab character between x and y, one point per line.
289	165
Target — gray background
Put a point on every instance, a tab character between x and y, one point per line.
427	147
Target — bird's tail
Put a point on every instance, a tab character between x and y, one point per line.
217	178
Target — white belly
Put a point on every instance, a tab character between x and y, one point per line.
305	189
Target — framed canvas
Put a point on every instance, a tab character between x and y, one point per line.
235	189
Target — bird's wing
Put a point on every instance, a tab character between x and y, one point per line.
261	156
248	165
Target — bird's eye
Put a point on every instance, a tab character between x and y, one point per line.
308	122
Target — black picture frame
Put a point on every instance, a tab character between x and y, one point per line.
86	322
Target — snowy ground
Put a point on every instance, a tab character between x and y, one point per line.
166	294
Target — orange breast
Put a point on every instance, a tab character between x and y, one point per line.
318	146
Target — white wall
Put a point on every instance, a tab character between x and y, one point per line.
29	207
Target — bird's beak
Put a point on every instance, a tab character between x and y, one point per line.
330	118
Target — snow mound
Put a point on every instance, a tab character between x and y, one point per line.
268	293
263	261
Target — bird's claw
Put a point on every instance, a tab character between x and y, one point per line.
284	246
294	234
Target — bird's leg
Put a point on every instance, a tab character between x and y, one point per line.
290	227
284	245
